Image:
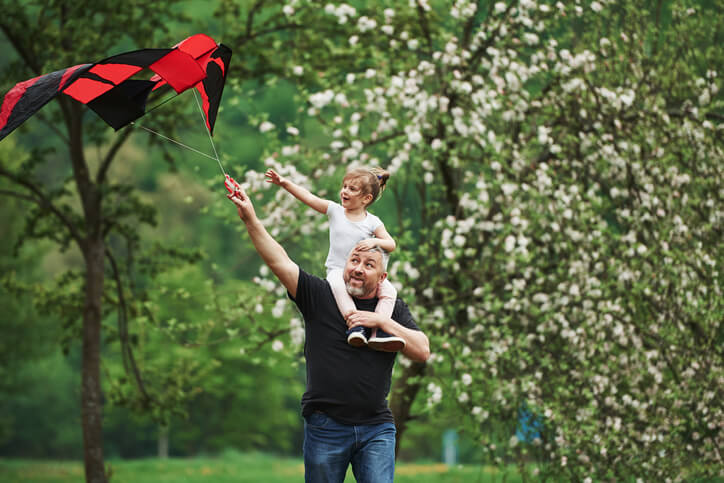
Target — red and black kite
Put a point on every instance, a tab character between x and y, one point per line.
108	88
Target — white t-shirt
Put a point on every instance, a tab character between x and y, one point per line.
345	234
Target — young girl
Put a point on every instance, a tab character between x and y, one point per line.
350	224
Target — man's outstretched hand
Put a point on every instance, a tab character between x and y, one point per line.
231	185
239	197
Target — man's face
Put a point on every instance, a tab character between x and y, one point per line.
363	273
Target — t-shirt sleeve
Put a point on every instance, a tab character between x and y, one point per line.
333	210
308	288
402	315
375	223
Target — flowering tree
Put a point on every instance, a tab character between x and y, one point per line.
557	173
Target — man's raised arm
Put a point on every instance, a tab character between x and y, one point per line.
270	250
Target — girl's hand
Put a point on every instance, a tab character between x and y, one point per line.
367	244
274	178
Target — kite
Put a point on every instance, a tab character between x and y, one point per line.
109	87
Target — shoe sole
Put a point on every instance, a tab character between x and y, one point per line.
357	340
392	344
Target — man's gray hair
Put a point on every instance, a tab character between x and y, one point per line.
385	255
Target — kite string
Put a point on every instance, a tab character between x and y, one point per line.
211	140
174	141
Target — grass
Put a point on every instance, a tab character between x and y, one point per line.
233	468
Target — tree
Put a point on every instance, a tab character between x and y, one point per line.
556	180
80	206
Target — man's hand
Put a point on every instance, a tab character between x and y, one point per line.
231	185
365	319
243	204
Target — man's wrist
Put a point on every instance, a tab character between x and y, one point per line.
252	222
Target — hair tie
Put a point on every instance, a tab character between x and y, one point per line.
379	176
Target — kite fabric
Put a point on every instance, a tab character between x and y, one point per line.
107	86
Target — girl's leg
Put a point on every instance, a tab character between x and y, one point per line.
357	336
386	295
379	339
345	304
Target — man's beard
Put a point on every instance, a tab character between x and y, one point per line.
355	291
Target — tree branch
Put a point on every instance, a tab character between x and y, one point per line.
126	349
111	154
41	200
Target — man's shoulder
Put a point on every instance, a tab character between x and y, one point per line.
310	277
311	283
401	313
401	305
313	294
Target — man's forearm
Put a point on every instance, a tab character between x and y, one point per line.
273	255
417	345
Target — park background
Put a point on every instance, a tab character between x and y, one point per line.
556	195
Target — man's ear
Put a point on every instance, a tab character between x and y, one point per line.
383	277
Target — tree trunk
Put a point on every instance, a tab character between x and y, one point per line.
91	395
93	248
403	395
163	442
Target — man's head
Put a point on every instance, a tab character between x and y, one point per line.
364	271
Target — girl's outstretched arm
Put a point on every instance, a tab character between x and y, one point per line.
382	239
300	193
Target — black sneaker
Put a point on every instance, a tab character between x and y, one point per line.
357	336
385	342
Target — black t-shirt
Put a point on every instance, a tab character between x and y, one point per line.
349	384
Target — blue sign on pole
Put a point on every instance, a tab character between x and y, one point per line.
450	447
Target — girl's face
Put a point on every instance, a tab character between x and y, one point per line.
351	195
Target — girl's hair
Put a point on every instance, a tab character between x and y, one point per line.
373	180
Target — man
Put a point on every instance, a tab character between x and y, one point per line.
347	420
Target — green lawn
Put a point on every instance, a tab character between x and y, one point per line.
232	468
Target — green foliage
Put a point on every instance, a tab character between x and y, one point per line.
237	467
40	407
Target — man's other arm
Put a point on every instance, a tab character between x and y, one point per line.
417	345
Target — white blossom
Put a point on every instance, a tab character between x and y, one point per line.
266	126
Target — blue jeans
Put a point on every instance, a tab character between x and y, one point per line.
329	448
